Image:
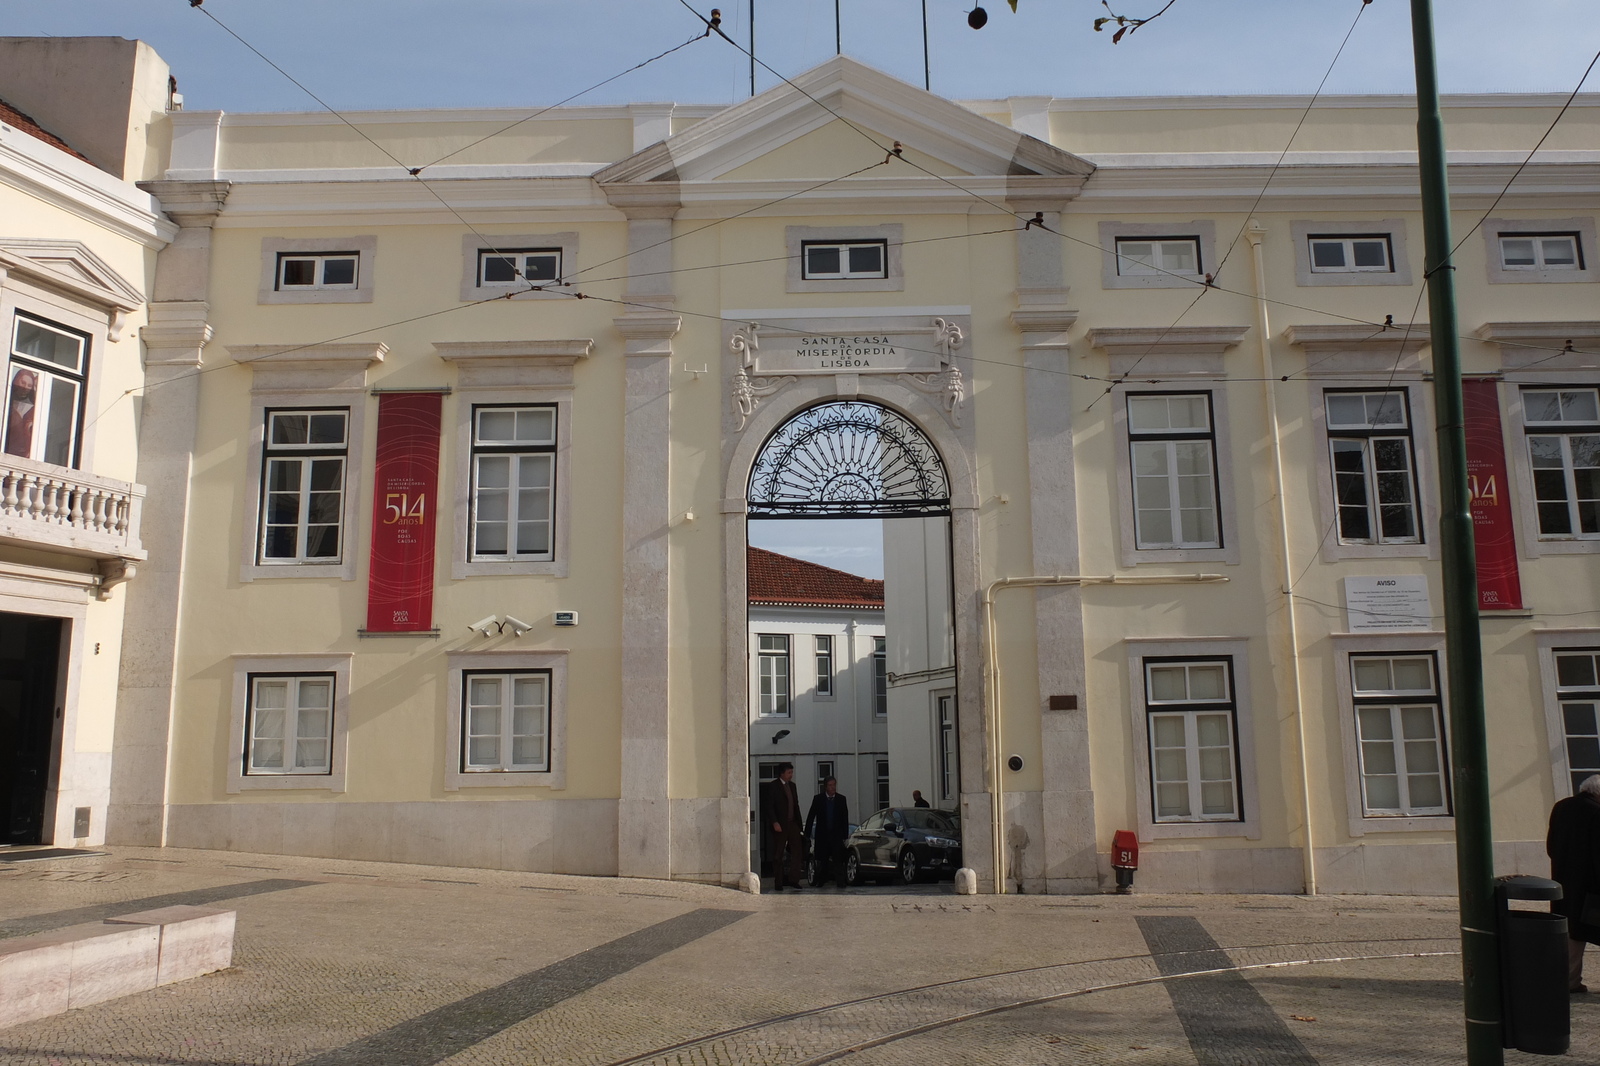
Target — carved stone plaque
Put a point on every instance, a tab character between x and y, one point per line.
866	352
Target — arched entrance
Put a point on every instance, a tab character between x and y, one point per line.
852	668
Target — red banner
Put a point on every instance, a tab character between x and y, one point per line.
405	487
1499	583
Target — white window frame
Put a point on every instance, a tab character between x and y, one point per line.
1564	431
880	678
474	246
782	707
275	249
1538	245
1347	246
1550	644
296	689
459	665
1346	646
891	236
826	670
1176	649
1168	441
44	370
517	453
880	784
1392	230
1221	449
1368	433
1114	273
845	272
1166	257
1189	710
292	665
1333	548
1581	228
306	454
521	271
946	747
505	731
319	271
1395	702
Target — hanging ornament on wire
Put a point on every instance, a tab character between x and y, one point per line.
977	18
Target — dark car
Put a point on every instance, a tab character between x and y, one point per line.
908	843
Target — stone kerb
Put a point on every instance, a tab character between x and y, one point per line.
48	973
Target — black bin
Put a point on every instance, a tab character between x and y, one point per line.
1533	968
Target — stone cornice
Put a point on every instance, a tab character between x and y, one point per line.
54	177
189	203
550	352
329	356
656	199
648	332
1579	333
1176	340
1325	339
1545	346
176	332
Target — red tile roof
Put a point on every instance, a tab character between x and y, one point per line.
18	121
780	580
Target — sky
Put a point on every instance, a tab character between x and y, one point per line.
854	545
359	54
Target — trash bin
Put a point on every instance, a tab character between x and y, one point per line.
1533	968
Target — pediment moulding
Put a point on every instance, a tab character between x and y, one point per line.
512	364
74	270
279	367
1325	339
1545	346
1176	340
189	203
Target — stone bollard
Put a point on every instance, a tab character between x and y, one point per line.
966	882
751	883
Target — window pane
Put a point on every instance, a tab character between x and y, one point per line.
1168	683
1375	723
311	755
499	269
483	751
1346	409
1169	730
1216	797
1580	406
271	695
1179	257
1371	253
1136	257
301	272
1559	251
497	425
1172	801
1208	682
1378	758
1516	252
1327	254
316	695
1371	675
62	419
1213	730
1216	764
1427	791
327	428
1422	757
866	259
339	272
1383	793
1579	718
1576	671
47	345
536	425
541	267
1583	752
1413	675
290	428
1540	406
267	754
822	260
484	692
1171	765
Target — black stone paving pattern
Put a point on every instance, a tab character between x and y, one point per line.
1227	1021
439	1034
39	923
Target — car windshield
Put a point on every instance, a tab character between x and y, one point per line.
928	820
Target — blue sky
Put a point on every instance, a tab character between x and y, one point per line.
446	53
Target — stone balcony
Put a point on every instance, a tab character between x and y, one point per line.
56	509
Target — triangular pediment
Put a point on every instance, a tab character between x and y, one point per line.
70	266
822	118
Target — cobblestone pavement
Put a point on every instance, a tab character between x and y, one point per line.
370	964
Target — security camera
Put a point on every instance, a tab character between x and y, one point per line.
518	626
1015	763
483	625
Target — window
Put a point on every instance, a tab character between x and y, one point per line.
336	270
1192	733
513	266
1578	693
882	783
824	665
824	771
1374	480
1346	255
1566	464
513	482
1540	251
1399	735
844	259
506	726
947	747
1159	255
44	391
880	677
290	724
1174	471
302	491
772	671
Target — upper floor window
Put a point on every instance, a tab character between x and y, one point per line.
1345	255
824	665
1194	760
836	260
512	266
303	485
334	270
1541	251
1173	450
1158	255
1374	477
1563	428
1400	735
513	482
44	386
772	671
880	677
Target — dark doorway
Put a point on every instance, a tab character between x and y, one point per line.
30	650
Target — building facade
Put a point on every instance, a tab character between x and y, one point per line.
455	469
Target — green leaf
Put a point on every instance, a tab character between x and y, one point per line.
1013	7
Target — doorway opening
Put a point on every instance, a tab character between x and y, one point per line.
30	723
851	643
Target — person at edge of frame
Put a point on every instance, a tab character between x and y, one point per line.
1573	845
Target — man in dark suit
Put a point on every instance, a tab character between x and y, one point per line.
1573	845
780	819
827	825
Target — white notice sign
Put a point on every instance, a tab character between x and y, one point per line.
1389	604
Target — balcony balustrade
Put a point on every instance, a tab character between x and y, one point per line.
50	507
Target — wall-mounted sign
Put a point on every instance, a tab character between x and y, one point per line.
847	353
1387	604
404	504
1499	583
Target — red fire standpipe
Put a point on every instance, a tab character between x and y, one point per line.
1125	858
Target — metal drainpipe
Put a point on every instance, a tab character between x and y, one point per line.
991	678
1254	234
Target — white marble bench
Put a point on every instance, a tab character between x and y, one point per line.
48	973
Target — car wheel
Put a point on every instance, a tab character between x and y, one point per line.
908	866
852	870
813	868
